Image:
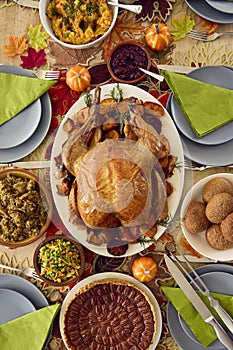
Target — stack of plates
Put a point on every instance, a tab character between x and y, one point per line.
17	138
18	297
213	10
216	147
219	279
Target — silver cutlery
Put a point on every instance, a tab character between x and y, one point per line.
32	164
28	3
28	271
176	69
204	36
201	286
133	8
191	165
47	74
152	74
198	303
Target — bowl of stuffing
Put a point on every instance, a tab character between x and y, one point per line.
59	260
78	24
25	207
125	61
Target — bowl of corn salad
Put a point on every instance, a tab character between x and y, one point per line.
59	260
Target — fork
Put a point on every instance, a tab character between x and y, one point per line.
47	74
28	271
201	286
191	165
203	35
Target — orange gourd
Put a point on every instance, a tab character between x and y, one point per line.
78	78
144	268
158	37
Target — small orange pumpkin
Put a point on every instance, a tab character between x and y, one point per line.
158	37
78	78
144	268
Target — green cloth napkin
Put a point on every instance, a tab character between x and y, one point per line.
207	107
202	330
28	332
18	92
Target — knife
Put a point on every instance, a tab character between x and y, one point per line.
34	164
199	305
176	69
28	3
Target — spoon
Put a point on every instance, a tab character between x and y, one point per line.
133	8
154	75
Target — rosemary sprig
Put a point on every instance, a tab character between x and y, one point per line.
117	93
88	98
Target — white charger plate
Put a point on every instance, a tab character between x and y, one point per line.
14	153
13	305
203	9
170	132
182	338
218	76
223	6
119	276
198	240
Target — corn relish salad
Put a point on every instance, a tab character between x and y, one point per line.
59	260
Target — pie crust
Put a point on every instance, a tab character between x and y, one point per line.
110	314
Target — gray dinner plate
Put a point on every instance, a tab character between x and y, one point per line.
203	9
223	6
217	281
13	305
18	129
217	155
181	337
218	76
14	153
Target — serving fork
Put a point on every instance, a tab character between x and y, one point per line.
203	35
28	271
191	165
201	286
47	74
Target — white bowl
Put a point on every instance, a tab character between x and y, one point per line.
198	240
46	22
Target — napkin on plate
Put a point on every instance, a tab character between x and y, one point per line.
202	330
207	107
18	92
29	331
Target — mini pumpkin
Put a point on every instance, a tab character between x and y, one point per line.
158	37
78	78
144	268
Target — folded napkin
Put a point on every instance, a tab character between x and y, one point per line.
202	330
17	92
28	332
207	107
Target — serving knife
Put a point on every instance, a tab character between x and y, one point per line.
28	3
31	164
176	69
197	302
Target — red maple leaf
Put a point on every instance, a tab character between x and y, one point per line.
33	59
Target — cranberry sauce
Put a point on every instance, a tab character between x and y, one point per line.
126	60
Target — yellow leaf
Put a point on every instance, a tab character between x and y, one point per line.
17	46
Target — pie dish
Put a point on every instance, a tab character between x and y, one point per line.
111	310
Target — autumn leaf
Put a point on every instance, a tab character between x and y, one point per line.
209	26
37	37
182	27
34	59
17	46
129	27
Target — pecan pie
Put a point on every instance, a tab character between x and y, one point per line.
110	314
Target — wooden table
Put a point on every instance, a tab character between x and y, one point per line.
15	21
